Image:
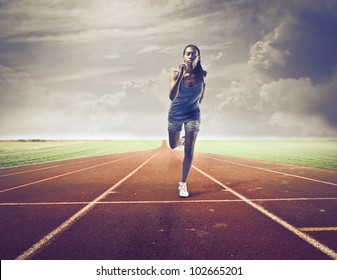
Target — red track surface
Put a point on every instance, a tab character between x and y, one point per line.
127	207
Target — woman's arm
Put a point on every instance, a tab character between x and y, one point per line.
202	94
175	80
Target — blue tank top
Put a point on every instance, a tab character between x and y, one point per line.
185	106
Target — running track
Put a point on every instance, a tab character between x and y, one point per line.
126	206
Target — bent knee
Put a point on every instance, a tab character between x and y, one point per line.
172	146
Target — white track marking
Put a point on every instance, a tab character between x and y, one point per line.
318	229
44	168
272	171
329	252
50	236
64	174
161	201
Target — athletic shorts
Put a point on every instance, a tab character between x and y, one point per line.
193	125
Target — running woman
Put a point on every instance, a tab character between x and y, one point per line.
187	86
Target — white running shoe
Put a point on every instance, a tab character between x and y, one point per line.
182	141
181	144
183	190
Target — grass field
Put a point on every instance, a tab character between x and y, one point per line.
16	153
316	153
322	154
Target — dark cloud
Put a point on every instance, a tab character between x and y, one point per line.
312	44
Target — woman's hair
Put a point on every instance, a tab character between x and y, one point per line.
201	73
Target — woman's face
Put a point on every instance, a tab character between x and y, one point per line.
191	57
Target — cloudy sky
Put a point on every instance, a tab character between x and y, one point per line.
99	69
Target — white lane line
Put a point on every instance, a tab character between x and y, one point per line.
44	168
272	171
318	229
160	201
64	174
119	202
43	203
50	236
315	243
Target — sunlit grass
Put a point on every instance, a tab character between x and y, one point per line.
320	153
15	153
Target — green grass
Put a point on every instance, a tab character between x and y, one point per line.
316	153
322	154
16	153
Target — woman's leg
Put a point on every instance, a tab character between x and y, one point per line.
174	138
174	134
190	137
191	133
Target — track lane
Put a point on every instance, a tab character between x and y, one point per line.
179	231
316	203
312	241
256	183
24	180
144	218
159	181
22	226
33	250
29	225
17	170
78	186
160	228
309	214
303	172
28	168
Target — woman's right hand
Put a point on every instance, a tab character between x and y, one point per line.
182	69
175	79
